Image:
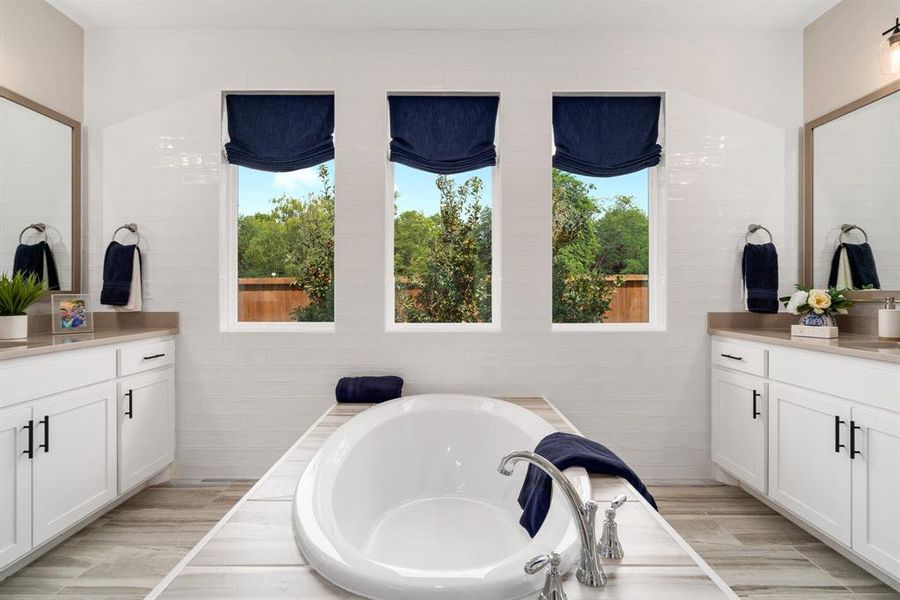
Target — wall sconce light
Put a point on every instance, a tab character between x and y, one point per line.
891	49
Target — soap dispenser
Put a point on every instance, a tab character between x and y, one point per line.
889	320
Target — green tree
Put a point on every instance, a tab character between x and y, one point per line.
454	285
581	290
295	239
414	236
623	235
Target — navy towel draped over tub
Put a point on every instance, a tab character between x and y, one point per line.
443	134
606	136
279	132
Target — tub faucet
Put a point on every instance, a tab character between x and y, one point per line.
590	571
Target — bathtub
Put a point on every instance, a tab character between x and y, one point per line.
404	502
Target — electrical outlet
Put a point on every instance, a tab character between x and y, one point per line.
147	289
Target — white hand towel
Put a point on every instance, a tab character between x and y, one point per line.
135	300
844	278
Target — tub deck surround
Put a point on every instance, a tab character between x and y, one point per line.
109	328
855	339
251	552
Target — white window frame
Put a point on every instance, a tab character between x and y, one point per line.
657	194
390	289
228	227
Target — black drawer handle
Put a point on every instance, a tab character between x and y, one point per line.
130	412
853	429
152	356
837	434
29	452
46	423
756	396
732	357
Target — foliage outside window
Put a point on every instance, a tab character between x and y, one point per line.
442	247
285	245
601	248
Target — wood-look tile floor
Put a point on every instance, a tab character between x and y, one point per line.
125	553
759	553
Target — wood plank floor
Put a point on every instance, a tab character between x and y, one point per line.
122	555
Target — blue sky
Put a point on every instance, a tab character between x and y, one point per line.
417	189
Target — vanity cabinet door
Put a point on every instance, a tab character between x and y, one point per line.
15	485
74	457
809	460
739	426
876	487
146	426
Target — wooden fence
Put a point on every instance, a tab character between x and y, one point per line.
275	298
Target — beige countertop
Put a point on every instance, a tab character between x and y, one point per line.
848	344
110	328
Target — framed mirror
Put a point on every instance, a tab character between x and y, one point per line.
850	214
40	192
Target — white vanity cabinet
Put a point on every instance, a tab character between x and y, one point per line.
67	448
828	438
146	425
739	426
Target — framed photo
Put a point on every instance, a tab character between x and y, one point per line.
71	313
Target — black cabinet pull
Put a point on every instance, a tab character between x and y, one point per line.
756	396
29	452
46	423
152	356
130	412
853	428
837	434
732	357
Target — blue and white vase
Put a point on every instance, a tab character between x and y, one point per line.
812	319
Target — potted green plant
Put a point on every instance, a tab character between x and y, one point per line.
17	293
817	309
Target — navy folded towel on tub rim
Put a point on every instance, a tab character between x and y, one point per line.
368	389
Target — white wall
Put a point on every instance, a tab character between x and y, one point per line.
41	55
734	105
841	54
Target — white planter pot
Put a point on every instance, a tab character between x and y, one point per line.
14	328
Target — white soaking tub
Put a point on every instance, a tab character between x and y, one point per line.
404	502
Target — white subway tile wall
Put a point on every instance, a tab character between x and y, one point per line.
152	117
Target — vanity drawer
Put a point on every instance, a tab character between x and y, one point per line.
866	381
143	357
43	376
739	357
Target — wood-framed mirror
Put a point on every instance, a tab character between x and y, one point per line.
40	192
850	211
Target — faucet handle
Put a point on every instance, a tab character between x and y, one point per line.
610	547
553	589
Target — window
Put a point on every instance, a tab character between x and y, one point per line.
441	211
606	266
279	257
442	246
285	245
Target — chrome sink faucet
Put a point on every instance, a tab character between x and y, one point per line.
590	571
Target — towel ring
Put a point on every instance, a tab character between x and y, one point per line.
132	227
753	228
846	228
41	227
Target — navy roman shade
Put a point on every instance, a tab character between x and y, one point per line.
279	132
443	134
605	136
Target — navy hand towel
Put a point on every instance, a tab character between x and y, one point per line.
368	389
30	259
118	269
760	274
862	266
566	450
